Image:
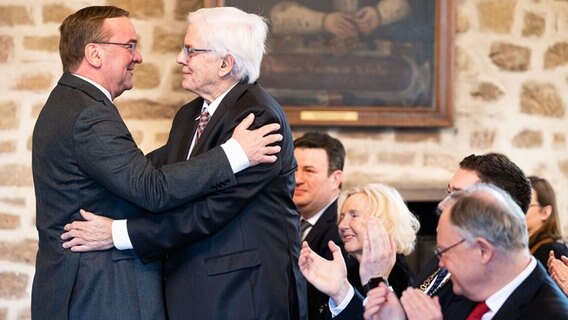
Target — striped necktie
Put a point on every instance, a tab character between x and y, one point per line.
203	120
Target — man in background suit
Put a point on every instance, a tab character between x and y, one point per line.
483	241
83	156
231	254
318	183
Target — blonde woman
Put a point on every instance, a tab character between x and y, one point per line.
356	205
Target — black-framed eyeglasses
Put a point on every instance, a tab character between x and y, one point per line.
190	52
439	252
129	45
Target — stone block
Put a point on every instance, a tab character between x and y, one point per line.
141	9
482	139
496	15
559	140
396	158
7	146
14	201
167	41
563	165
13	285
462	23
146	76
443	161
9	221
8	115
148	109
20	252
6	48
35	82
510	57
557	55
56	13
528	139
533	25
183	7
14	15
417	136
541	99
49	44
16	175
487	91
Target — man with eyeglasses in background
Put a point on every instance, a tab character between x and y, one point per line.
83	156
231	254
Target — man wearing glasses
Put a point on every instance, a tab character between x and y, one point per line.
434	280
484	236
83	156
231	254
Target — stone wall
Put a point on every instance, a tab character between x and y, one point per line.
511	95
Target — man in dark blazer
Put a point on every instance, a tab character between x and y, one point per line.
83	156
231	254
483	241
319	177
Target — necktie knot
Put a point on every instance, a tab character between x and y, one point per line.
203	120
478	312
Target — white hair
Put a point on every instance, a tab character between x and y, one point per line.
231	31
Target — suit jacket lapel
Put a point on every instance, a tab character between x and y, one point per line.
188	128
229	100
321	225
524	293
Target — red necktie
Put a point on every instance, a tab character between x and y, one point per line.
478	312
203	119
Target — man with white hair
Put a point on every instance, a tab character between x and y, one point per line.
231	254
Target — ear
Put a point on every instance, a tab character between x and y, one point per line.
487	250
337	177
93	55
545	212
227	65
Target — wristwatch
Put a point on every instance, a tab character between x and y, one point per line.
374	282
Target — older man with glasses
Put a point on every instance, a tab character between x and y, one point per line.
231	254
83	156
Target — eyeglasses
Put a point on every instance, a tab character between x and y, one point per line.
190	52
534	205
439	252
129	45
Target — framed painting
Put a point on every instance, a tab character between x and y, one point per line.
386	63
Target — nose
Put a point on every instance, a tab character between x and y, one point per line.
343	224
137	56
299	177
181	59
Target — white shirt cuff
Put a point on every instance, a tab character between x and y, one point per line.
120	236
335	310
236	155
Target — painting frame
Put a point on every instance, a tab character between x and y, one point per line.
437	113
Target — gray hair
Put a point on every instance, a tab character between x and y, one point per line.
488	212
231	31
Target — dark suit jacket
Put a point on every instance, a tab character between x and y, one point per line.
232	254
83	156
538	297
324	230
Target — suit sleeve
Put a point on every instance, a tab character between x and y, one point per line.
107	153
153	236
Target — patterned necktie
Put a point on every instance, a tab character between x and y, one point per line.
478	312
203	120
304	225
442	272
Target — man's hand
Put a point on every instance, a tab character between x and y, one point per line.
256	143
95	233
379	252
382	304
329	277
419	306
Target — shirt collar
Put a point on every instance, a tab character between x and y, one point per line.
496	300
98	86
215	103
